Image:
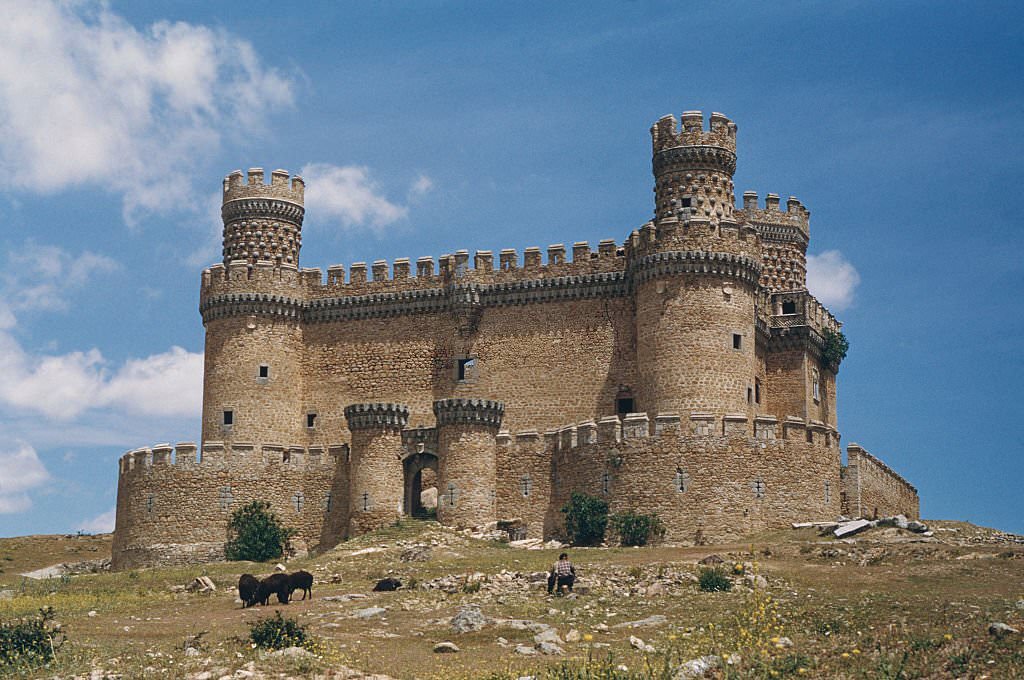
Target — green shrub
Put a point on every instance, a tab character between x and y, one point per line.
586	518
835	349
278	633
256	534
29	642
637	529
712	580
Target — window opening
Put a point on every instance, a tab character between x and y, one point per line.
366	501
789	307
624	406
685	202
737	341
525	485
816	385
451	494
682	481
828	491
264	371
750	395
311	420
466	367
149	503
229	418
757	390
606	483
759	488
226	497
328	499
298	500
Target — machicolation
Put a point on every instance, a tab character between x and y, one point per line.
678	372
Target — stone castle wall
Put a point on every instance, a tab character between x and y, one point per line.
698	325
873	489
173	507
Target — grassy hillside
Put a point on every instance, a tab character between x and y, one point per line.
888	604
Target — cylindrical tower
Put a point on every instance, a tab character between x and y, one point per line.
252	387
375	473
466	437
263	221
695	272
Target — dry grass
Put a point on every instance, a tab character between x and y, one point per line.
881	610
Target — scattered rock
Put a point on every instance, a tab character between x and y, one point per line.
445	648
386	585
573	636
917	527
657	588
280	567
344	598
783	643
655	620
417	553
698	668
1020	604
637	643
550	649
850	528
711	560
547	635
201	584
369	612
1000	630
756	581
293	653
192	651
91	614
469	618
525	651
6	594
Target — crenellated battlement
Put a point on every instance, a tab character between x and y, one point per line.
669	133
694	427
246	457
770	218
281	187
800	308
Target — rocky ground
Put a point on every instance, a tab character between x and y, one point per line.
886	602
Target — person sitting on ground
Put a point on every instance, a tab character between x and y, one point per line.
562	574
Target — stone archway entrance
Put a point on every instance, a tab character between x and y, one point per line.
420	472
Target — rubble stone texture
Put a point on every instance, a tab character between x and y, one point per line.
679	372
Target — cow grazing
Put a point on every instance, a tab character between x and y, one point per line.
301	580
247	587
275	583
386	585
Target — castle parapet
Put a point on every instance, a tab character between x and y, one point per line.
469	412
242	456
668	133
376	415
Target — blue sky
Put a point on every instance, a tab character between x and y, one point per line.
424	127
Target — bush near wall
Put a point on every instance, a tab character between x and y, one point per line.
256	534
586	519
637	529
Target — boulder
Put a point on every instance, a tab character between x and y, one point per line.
445	648
573	636
1000	630
637	643
201	584
701	667
468	619
711	560
293	653
655	620
917	527
369	612
547	635
550	649
525	651
850	528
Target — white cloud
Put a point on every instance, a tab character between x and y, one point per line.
100	524
346	195
832	279
421	187
20	471
88	99
64	386
40	276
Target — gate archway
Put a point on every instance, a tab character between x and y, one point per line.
420	473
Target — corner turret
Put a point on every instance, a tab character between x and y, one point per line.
263	222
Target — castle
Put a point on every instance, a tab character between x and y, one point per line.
686	371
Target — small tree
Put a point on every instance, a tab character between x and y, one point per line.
835	348
256	534
586	518
637	529
278	633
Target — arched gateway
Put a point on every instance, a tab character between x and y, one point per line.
415	467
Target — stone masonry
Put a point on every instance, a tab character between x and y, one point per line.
679	371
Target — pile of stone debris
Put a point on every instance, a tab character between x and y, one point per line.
844	528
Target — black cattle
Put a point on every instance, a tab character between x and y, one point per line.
275	583
301	580
387	585
247	587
